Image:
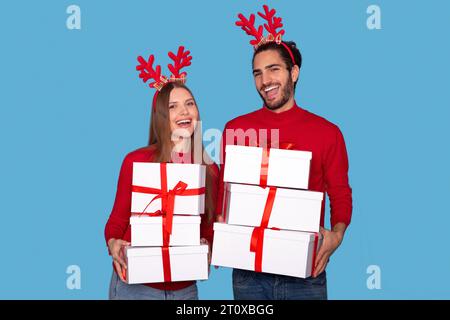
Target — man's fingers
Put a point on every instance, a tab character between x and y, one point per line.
321	268
220	218
320	255
320	265
323	231
318	269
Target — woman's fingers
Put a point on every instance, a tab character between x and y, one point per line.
118	258
204	241
119	270
123	243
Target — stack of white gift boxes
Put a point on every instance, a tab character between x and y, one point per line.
271	220
166	202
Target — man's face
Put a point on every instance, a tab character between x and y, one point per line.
273	80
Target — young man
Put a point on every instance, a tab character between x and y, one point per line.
276	68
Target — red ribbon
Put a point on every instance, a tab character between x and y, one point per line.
316	242
257	239
265	162
167	208
166	264
167	199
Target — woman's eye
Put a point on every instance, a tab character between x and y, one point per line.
171	106
190	104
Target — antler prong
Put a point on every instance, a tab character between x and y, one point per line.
181	59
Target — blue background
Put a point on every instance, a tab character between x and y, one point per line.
72	107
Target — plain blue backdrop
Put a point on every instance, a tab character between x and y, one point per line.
72	106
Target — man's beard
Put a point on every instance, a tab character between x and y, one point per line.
285	96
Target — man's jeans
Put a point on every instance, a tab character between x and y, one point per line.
250	285
119	290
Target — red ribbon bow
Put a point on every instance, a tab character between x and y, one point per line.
265	161
167	207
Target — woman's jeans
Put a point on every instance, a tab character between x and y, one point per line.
119	290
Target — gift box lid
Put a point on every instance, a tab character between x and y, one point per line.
279	234
298	154
148	174
177	219
282	192
156	251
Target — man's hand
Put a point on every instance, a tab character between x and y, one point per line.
331	241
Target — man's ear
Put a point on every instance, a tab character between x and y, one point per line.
295	73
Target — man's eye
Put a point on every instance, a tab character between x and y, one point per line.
256	75
191	103
171	106
274	69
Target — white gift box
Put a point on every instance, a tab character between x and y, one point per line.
147	174
286	168
284	252
147	231
145	264
292	209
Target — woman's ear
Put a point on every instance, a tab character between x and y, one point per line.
295	73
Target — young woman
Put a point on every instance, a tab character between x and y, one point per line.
173	124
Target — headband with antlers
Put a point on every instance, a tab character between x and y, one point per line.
273	23
181	60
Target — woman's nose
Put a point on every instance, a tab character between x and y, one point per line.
184	109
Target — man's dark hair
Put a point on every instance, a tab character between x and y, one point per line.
283	53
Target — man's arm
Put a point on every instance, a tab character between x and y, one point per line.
340	194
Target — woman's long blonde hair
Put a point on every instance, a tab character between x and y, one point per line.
160	138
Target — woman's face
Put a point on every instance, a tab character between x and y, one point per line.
183	113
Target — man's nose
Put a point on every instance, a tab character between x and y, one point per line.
266	79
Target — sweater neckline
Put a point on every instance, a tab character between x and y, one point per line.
181	157
282	116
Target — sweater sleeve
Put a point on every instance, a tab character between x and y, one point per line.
220	189
336	180
119	218
208	219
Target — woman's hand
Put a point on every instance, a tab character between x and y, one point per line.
115	248
204	241
219	218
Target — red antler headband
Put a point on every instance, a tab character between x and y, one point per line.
273	23
181	60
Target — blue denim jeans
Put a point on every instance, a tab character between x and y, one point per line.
119	290
250	285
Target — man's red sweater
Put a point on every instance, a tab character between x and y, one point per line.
308	132
118	225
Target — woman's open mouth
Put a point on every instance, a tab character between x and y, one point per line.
184	123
